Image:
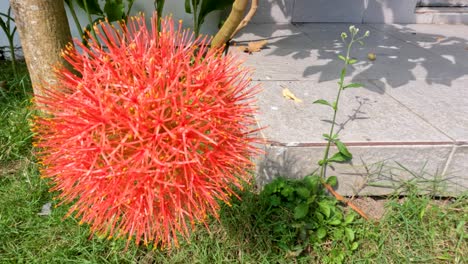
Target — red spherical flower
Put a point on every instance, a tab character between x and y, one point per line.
148	132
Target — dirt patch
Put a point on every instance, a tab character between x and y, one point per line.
374	208
10	168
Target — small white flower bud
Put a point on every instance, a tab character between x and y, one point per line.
343	35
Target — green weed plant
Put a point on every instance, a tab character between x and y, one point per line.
201	8
110	10
300	212
5	23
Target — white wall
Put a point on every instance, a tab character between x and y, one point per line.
4	4
174	7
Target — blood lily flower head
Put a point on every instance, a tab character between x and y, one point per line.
148	133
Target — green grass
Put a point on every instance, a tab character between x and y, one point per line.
415	229
15	95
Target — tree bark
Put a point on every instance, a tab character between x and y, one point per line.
44	31
247	18
232	22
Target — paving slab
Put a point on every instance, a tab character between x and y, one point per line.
394	49
298	51
449	42
273	11
327	11
365	116
287	46
309	51
374	170
373	11
412	111
445	107
457	169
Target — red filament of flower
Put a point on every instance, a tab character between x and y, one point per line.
148	133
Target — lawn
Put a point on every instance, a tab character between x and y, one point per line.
414	228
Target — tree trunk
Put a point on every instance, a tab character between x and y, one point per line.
44	31
231	24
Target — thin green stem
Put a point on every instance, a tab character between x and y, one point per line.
159	10
323	169
90	21
6	26
12	53
130	5
196	29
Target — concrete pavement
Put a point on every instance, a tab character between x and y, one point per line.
409	122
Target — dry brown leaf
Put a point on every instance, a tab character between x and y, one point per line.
254	46
289	95
439	38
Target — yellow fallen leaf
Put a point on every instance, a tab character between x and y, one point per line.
254	46
289	95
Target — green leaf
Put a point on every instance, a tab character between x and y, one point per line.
275	200
287	191
325	209
321	233
115	10
323	102
312	182
343	150
460	228
353	85
269	189
95	21
319	217
303	192
343	73
341	57
301	211
332	181
332	138
422	212
338	234
311	199
188	6
338	157
354	246
159	5
321	162
352	61
349	219
93	6
208	6
3	25
335	222
349	233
